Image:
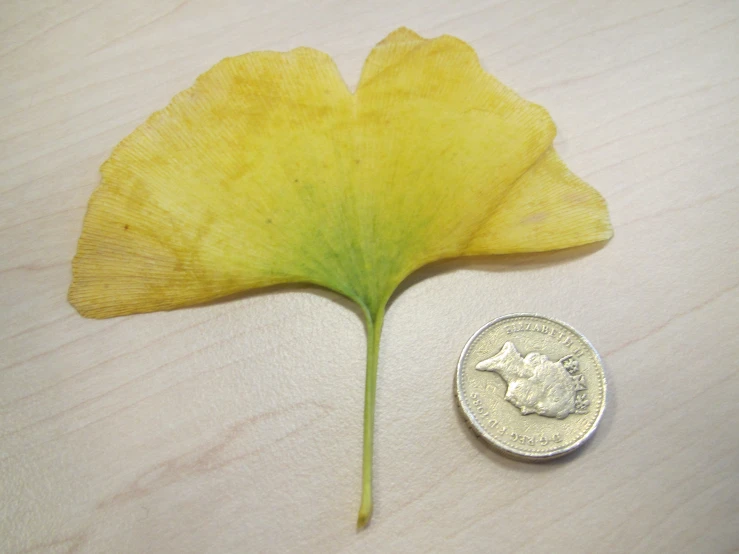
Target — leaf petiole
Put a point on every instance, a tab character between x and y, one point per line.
374	330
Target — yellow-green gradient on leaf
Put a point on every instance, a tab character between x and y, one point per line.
269	170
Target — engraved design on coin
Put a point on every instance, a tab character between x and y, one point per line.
537	385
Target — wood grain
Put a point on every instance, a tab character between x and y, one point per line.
236	427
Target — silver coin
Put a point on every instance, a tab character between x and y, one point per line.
531	386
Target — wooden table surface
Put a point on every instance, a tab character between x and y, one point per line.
236	427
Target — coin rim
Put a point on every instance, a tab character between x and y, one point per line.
506	449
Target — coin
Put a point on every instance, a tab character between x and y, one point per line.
531	386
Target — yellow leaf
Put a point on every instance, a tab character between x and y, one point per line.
269	170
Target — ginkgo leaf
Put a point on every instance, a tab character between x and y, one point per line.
269	170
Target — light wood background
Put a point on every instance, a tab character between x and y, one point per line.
236	427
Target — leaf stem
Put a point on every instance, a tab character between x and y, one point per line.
374	329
